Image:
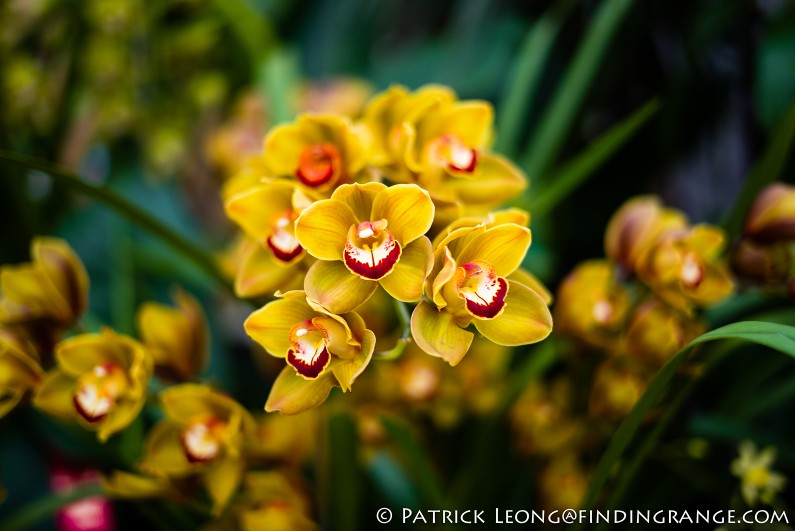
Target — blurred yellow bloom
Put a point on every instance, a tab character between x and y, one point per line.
100	380
684	268
235	142
592	304
321	349
617	386
760	262
203	434
656	331
562	483
345	96
20	371
272	258
320	151
469	284
290	440
53	288
636	227
126	485
759	482
363	236
178	338
541	418
429	138
772	216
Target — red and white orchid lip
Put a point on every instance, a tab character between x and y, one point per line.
317	164
309	355
371	251
282	241
449	150
97	391
484	291
201	440
692	272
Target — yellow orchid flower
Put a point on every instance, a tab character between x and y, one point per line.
685	270
769	263
759	482
363	236
321	349
291	440
100	380
178	337
431	139
772	216
562	483
617	386
20	371
592	304
636	227
470	284
203	435
656	331
53	288
271	259
542	421
319	151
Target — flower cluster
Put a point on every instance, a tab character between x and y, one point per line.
400	202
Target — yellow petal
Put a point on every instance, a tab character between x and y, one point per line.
331	285
522	276
79	354
495	181
436	333
254	210
221	479
259	275
346	371
525	319
359	197
503	246
122	415
470	121
23	297
407	278
9	400
122	484
64	274
322	228
55	395
292	394
186	402
283	147
407	208
270	325
165	455
707	240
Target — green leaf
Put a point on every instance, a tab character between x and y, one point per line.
572	174
417	462
122	206
764	172
278	79
250	27
26	517
521	87
776	336
341	482
557	120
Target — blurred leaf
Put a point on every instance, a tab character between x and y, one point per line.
29	515
520	89
572	174
251	27
775	75
764	172
278	79
392	481
341	485
776	336
418	464
122	206
556	122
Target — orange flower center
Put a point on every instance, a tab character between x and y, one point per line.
96	392
477	282
201	440
450	151
692	272
309	354
371	251
282	241
317	164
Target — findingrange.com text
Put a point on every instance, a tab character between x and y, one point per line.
572	516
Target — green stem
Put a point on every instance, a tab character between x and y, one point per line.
36	511
122	206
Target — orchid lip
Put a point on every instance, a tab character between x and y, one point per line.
282	241
692	272
97	392
309	355
455	154
483	291
201	442
317	164
371	250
